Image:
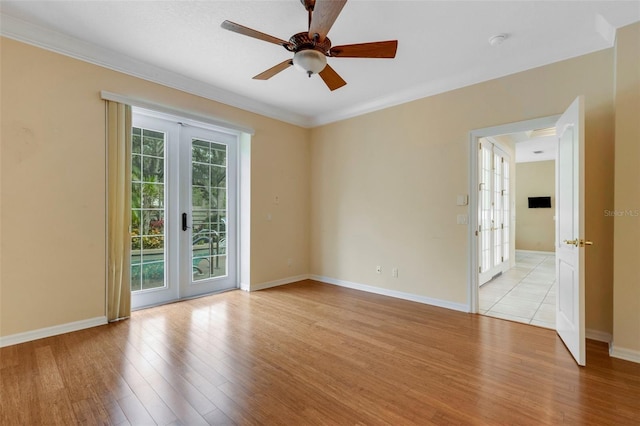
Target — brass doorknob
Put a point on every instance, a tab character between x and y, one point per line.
585	243
572	242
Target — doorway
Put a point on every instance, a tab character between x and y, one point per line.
523	291
514	278
183	209
569	238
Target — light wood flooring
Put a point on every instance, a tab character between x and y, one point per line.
312	353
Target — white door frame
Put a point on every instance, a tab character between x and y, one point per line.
474	136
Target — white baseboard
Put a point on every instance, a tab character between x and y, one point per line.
547	253
599	336
276	283
624	353
614	352
27	336
462	307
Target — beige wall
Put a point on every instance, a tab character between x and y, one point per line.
384	185
53	186
626	320
535	228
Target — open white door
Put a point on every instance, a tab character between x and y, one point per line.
570	230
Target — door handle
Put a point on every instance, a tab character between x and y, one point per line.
578	243
184	222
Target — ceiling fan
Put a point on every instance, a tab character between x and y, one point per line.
311	48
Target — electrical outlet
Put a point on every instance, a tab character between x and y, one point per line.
394	272
378	269
289	262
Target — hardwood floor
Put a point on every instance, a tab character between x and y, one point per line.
312	353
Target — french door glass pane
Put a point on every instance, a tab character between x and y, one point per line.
507	215
493	210
208	209
147	210
485	219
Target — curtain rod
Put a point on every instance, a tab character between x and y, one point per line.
141	103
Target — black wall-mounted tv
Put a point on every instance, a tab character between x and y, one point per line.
539	202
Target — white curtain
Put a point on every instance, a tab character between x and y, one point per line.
119	210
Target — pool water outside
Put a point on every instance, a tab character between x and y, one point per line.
152	268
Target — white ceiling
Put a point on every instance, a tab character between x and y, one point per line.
530	147
536	144
443	45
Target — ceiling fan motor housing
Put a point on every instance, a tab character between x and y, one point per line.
310	55
302	41
309	4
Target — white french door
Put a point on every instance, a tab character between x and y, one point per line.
493	211
208	216
183	209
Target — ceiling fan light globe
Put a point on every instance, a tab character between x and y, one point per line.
309	61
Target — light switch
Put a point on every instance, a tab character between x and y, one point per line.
463	219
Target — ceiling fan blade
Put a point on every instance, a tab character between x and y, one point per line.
240	29
274	70
325	14
377	49
331	78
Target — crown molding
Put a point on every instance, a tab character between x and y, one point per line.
433	88
53	41
69	46
463	79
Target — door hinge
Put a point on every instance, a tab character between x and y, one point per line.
480	145
502	259
502	226
479	268
476	233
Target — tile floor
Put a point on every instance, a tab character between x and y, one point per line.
525	293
